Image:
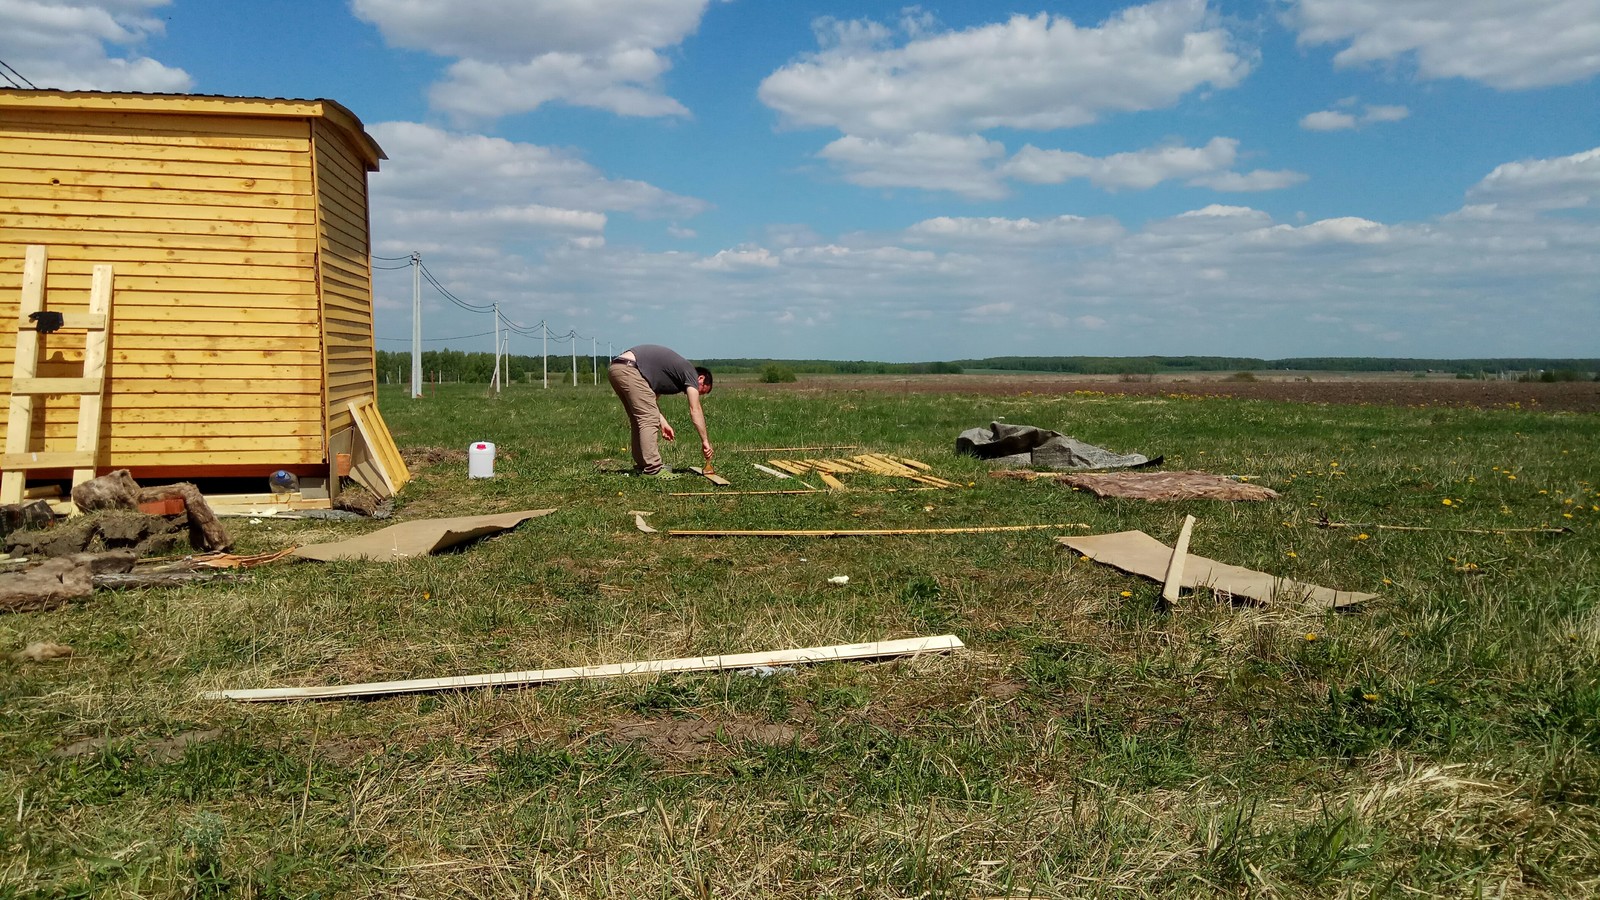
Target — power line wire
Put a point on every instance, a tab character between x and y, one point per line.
459	337
7	68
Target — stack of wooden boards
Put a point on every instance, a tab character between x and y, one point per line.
867	464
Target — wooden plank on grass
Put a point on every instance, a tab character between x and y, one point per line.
1173	583
712	477
794	449
871	532
875	650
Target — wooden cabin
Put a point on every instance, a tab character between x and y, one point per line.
241	309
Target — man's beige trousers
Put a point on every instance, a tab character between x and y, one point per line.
644	417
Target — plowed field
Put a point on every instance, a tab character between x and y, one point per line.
1583	396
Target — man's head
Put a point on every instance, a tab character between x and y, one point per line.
702	380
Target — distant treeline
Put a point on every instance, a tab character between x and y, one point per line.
1159	365
394	367
833	366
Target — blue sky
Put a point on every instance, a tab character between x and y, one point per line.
847	180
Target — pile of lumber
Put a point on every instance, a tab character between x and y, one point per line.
866	464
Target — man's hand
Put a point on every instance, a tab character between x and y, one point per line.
705	447
666	430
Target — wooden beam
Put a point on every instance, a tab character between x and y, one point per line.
870	532
25	362
712	477
808	491
20	462
876	650
1173	583
91	405
794	449
39	387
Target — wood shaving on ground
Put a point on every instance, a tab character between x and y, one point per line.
39	651
235	561
1154	485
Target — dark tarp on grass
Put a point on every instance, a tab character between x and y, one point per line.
1027	445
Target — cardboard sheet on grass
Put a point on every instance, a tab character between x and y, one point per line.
419	538
1141	554
1027	445
1167	486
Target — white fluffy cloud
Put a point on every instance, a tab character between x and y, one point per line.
429	166
1508	44
913	114
516	55
1030	72
1567	182
80	45
1018	232
1138	169
977	168
1338	120
1226	278
945	162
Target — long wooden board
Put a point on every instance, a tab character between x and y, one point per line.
19	421
870	532
875	650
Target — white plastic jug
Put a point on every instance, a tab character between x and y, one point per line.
480	460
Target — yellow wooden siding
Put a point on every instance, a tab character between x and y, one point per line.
346	279
210	224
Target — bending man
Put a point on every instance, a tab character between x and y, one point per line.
644	373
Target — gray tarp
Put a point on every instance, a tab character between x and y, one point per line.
1026	445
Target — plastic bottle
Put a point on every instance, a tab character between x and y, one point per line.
284	482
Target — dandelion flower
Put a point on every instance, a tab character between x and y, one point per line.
1447	501
426	595
1511	477
1126	594
1292	555
1311	636
1362	536
1387	581
1370	698
1566	515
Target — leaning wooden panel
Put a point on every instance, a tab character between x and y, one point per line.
223	218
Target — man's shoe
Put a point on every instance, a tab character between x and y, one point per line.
663	474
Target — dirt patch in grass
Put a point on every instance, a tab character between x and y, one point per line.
420	457
1571	396
688	739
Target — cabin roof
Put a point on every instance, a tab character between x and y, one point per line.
199	104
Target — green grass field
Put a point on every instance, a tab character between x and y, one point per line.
1443	740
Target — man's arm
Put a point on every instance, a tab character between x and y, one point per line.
698	416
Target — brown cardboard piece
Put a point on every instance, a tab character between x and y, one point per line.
1141	554
418	538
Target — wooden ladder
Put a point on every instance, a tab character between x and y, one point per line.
26	385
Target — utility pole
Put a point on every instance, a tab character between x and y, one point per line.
594	358
545	329
494	380
416	325
574	336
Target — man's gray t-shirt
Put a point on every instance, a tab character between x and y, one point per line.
665	370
